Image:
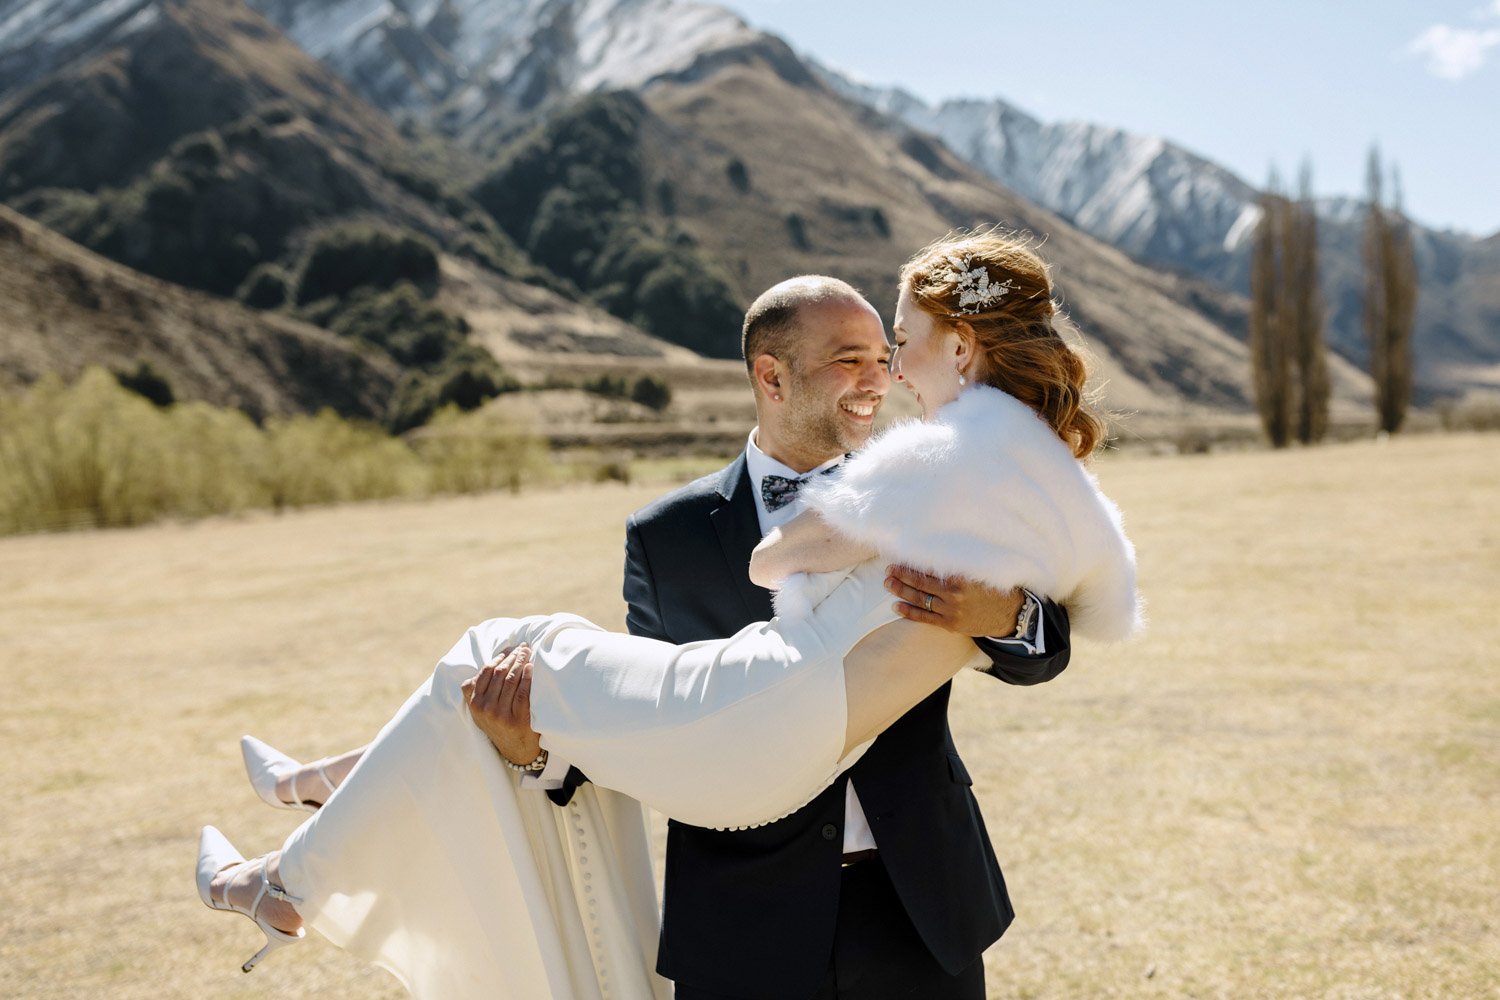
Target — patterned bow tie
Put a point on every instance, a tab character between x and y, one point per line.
778	491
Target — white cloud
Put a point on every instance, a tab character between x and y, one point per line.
1454	53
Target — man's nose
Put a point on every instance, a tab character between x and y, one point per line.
877	378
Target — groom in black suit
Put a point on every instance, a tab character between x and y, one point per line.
885	885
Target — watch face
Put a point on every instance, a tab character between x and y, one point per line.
1026	620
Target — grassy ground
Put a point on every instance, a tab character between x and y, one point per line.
1289	789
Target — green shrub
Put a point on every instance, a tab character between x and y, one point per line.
465	382
739	176
325	459
85	455
477	454
652	393
608	386
94	454
413	331
146	381
796	229
265	287
356	255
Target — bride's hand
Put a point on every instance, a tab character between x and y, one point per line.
955	603
499	699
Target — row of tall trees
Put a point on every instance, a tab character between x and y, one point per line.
1288	355
1289	359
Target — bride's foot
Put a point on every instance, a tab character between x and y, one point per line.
241	883
283	782
227	881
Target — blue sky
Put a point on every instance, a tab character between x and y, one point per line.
1276	81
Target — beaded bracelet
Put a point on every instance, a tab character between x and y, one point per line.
536	765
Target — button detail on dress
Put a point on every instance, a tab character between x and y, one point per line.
830	831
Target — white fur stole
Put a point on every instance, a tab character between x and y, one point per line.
988	491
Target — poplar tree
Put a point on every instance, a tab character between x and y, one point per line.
1309	354
1270	361
1390	299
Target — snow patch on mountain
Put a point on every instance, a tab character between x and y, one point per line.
1140	193
466	55
36	34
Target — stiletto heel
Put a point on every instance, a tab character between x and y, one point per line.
215	853
266	766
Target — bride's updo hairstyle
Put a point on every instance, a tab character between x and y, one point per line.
1009	307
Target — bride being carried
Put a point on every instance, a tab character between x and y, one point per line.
431	860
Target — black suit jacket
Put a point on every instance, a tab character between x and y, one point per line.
752	912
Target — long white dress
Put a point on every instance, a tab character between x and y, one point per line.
432	862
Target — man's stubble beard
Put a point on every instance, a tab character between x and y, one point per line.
818	426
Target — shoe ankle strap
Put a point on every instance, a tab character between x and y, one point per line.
269	888
318	769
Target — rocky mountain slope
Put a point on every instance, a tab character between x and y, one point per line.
1167	206
63	308
473	64
195	142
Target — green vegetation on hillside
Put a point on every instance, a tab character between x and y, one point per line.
373	286
96	454
216	205
226	209
572	194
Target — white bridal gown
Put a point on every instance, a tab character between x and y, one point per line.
432	862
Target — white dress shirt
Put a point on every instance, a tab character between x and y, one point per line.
857	834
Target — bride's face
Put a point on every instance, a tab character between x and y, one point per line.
928	355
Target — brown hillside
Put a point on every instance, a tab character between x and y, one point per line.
63	308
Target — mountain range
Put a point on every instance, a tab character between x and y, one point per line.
488	127
1169	207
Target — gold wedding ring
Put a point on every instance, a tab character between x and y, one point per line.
927	603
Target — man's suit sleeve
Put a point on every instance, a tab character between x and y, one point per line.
642	617
642	605
1014	668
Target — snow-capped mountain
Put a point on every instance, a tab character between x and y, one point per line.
1170	207
463	58
1152	199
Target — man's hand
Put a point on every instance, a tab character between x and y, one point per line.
955	603
499	698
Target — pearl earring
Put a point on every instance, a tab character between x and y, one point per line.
961	380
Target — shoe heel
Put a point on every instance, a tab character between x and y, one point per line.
271	945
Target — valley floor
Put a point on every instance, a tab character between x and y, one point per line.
1287	789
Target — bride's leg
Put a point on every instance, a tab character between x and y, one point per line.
892	669
314	780
239	884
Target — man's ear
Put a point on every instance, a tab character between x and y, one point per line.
767	375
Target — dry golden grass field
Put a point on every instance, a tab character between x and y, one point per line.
1290	788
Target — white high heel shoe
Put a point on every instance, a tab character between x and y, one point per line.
266	765
215	853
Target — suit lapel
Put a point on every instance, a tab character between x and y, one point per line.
739	532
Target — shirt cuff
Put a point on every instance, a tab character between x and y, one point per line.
549	778
1031	638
